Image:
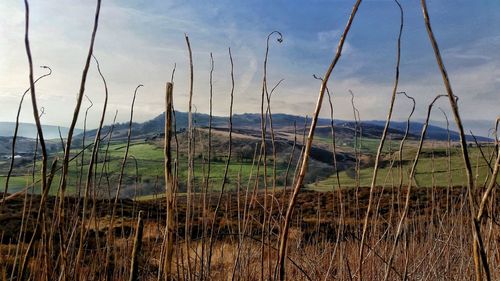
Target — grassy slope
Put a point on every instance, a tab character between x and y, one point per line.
389	176
150	167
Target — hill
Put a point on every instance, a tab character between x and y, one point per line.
28	130
433	132
283	122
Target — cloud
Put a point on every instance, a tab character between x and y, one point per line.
134	46
139	43
329	36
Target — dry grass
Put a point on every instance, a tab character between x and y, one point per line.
437	240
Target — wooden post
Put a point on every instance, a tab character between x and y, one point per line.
169	181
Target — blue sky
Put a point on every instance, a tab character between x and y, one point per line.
138	42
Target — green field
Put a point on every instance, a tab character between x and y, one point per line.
148	172
147	176
430	170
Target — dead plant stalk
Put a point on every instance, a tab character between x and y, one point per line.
284	232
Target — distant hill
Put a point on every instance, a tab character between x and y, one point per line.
25	146
246	121
283	122
433	132
28	130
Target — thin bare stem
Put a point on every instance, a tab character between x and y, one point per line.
93	159
229	151
14	137
190	178
136	249
401	145
120	181
493	179
480	259
409	188
284	232
381	144
76	112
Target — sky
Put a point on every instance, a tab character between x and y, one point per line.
138	42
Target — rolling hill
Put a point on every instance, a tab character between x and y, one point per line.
283	122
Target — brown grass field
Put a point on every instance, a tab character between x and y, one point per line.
321	246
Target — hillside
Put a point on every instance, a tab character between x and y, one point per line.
284	122
24	146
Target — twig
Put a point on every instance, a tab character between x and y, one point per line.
479	254
16	129
284	233
382	141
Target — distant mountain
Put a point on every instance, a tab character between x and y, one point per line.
156	125
483	128
25	146
433	132
28	130
283	122
246	120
